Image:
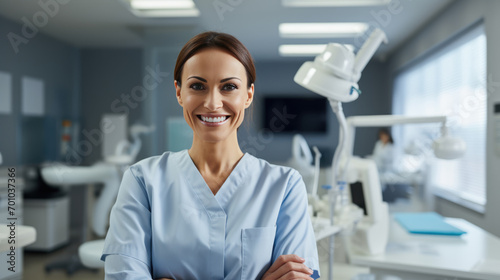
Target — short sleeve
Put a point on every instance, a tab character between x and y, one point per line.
121	267
294	231
127	249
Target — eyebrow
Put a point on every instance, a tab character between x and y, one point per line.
199	78
230	78
221	81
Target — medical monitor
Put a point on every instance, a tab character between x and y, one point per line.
295	114
358	196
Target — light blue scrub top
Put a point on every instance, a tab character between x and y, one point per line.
166	221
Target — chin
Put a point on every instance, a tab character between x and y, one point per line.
212	137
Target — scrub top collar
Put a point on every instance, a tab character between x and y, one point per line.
215	203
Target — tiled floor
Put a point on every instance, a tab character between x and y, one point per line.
34	266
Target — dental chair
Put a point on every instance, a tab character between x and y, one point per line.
302	160
126	152
108	173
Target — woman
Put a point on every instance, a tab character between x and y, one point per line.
211	212
383	152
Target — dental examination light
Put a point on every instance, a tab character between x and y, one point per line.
334	74
444	147
362	176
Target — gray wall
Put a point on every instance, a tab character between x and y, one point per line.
455	18
76	81
162	102
108	78
32	140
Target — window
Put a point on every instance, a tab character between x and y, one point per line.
450	81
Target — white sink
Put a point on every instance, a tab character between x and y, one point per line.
25	235
61	175
106	173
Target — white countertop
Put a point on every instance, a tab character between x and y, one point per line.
475	254
322	228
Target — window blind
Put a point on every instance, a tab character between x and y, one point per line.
450	81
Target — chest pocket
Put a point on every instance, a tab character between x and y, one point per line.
256	251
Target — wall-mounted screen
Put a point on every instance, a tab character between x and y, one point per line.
295	114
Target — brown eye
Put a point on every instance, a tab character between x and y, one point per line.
229	87
197	86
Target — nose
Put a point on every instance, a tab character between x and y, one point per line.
213	100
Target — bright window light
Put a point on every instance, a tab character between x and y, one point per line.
304	49
161	4
448	80
333	3
322	30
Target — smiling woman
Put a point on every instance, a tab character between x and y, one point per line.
214	95
211	212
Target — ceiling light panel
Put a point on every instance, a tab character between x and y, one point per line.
161	4
164	8
304	49
333	3
322	30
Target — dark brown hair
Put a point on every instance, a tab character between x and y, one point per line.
387	132
220	41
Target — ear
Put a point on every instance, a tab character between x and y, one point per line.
250	92
178	92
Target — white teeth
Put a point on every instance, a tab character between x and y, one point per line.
213	120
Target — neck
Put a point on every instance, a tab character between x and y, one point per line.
215	157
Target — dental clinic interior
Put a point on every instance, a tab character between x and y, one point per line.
388	109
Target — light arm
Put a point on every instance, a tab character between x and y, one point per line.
446	147
367	51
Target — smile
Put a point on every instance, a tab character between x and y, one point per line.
213	121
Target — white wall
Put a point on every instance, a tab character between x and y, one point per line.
455	18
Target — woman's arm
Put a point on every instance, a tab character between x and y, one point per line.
288	267
294	235
127	249
124	267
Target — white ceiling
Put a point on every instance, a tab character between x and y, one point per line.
109	23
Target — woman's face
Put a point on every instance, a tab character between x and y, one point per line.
213	94
384	138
